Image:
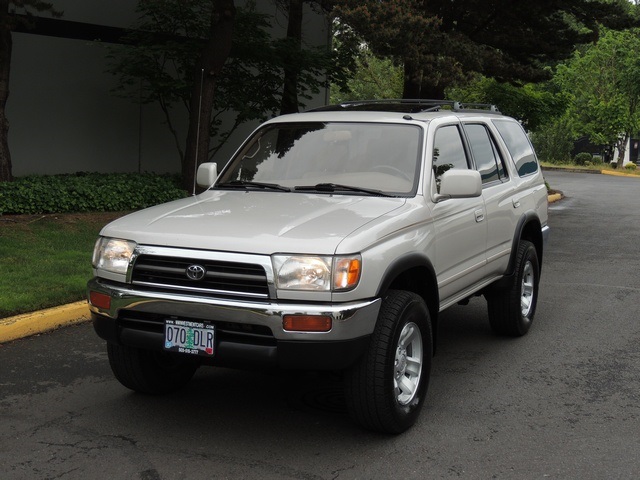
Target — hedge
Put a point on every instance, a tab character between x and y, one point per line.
87	192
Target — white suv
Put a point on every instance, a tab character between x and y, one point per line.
331	240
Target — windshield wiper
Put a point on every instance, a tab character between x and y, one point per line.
233	184
337	187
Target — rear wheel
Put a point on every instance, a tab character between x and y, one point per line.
147	371
386	389
511	310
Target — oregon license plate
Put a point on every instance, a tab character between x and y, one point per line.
193	338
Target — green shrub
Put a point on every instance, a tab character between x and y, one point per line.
631	166
553	142
582	158
86	192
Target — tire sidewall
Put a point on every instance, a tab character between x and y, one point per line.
414	311
528	254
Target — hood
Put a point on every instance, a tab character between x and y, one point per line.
253	222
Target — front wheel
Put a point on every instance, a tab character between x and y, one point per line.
511	311
386	389
151	372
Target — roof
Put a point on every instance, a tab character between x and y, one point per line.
390	111
409	106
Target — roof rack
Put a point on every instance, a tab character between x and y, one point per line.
404	105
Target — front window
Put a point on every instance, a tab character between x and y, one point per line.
345	158
448	151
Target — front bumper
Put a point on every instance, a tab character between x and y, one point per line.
250	334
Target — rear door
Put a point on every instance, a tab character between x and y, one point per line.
497	191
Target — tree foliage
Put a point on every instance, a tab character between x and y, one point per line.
167	47
533	104
442	42
373	77
603	85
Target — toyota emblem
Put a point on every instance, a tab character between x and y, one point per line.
195	272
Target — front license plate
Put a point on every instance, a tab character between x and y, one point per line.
193	338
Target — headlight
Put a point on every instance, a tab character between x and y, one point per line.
303	272
113	254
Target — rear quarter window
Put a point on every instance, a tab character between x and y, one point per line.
518	145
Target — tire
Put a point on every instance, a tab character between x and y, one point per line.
511	310
150	372
386	389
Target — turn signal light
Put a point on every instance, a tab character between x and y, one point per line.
346	273
306	323
100	300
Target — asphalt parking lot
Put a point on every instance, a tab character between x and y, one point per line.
562	402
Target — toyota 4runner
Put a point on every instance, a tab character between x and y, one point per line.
330	241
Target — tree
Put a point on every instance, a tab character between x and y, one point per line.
605	91
303	67
533	104
441	42
213	56
394	28
12	14
289	102
374	77
175	39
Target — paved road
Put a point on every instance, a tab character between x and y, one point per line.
561	403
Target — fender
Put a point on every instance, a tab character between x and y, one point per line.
400	271
529	228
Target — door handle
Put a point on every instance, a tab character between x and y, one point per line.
479	215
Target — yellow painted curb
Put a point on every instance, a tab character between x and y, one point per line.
554	197
21	326
618	174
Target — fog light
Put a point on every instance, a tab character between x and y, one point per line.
306	323
100	300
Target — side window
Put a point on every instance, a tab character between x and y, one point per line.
448	151
518	145
488	160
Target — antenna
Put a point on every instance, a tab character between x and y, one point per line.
195	171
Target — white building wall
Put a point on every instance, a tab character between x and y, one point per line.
64	118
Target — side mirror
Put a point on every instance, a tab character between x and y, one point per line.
207	174
457	183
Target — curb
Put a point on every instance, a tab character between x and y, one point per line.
555	197
618	174
597	172
570	170
25	325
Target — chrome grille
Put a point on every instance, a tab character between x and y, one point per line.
226	279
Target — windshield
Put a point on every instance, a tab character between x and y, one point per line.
354	158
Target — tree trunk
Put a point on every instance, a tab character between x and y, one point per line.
214	55
434	92
412	81
289	102
622	150
5	68
417	84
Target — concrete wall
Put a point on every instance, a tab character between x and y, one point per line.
64	118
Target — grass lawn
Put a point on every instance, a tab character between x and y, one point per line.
45	260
